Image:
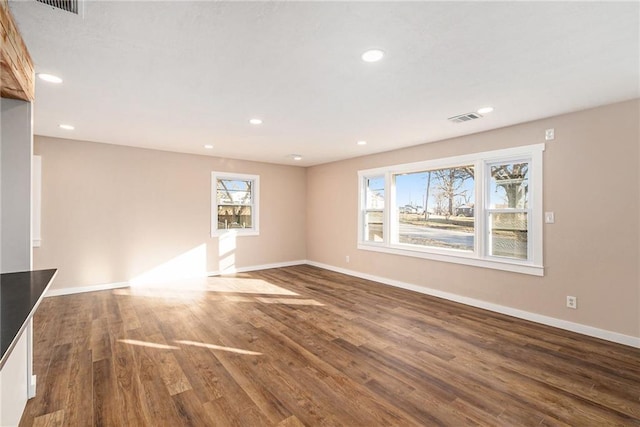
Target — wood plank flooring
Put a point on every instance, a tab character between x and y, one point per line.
302	346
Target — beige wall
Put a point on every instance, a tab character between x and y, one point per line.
592	184
111	213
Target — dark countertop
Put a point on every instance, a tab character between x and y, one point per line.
20	295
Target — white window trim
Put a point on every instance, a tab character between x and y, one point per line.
362	203
36	207
255	206
533	265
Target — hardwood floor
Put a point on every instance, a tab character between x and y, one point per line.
304	346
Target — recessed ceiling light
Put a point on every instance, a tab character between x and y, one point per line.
372	55
485	110
66	127
208	146
49	78
296	157
255	121
362	142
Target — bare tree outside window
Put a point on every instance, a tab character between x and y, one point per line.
512	179
435	208
450	184
234	200
509	210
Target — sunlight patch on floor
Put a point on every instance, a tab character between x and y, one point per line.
235	298
289	301
245	286
195	288
218	347
148	344
191	343
201	295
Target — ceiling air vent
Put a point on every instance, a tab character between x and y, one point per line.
464	117
72	6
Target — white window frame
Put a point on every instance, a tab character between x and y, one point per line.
364	211
487	211
479	257
254	230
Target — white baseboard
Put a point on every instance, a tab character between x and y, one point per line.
521	314
257	267
116	285
81	289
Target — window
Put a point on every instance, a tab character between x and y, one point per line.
435	208
483	209
374	209
234	203
508	210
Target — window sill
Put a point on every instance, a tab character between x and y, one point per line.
235	232
459	258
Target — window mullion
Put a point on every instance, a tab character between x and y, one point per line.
530	231
362	205
480	215
390	229
536	208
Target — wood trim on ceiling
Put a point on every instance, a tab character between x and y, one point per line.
16	66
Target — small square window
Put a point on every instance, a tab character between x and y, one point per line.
234	203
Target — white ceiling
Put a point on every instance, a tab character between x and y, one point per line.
178	75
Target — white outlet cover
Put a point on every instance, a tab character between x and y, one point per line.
549	217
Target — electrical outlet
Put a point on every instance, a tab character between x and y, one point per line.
572	302
549	217
347	259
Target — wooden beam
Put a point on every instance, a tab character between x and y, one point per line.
17	77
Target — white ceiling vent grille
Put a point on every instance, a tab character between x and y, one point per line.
464	117
72	6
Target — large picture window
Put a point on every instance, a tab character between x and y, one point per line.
483	209
435	208
234	203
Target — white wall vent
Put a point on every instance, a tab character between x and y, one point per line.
464	117
73	6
